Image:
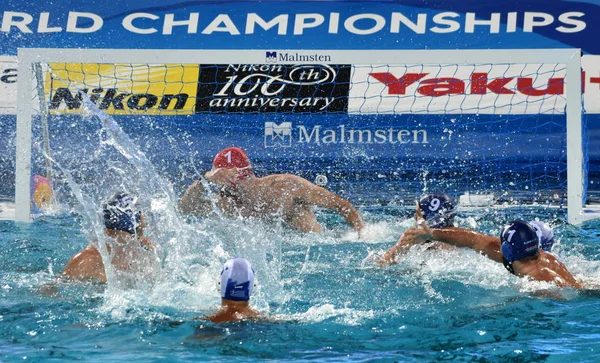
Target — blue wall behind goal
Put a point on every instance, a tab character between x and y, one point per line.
325	25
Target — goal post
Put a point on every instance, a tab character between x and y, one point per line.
383	91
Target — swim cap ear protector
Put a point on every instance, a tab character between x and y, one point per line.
545	235
519	241
234	157
438	210
237	280
121	213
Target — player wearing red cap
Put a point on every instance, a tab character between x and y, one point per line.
286	195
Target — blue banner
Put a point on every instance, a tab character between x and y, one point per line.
301	25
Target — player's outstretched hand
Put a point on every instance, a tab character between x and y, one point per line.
421	233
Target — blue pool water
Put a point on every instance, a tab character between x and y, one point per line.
326	301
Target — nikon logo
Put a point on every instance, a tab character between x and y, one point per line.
111	98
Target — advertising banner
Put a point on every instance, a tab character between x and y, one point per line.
412	24
473	89
273	88
180	89
8	85
123	88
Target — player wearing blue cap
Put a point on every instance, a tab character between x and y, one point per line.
439	211
517	248
124	226
235	285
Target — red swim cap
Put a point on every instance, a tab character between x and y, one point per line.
233	157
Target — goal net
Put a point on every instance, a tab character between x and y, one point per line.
378	127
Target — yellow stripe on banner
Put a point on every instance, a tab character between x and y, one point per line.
122	89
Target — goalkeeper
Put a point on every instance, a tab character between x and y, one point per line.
241	193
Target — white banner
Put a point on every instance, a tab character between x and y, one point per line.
591	79
459	89
485	89
8	85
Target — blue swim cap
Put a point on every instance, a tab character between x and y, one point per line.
438	210
545	235
121	213
237	280
519	241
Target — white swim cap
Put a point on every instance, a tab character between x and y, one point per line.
545	235
237	280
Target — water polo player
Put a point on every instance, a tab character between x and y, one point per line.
438	209
517	248
127	246
235	286
286	196
545	235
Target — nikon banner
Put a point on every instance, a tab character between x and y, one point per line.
123	88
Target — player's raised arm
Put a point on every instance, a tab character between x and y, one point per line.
316	195
193	200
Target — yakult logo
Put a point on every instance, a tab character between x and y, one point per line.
490	88
479	83
273	88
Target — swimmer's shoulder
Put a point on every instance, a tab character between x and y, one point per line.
286	182
86	264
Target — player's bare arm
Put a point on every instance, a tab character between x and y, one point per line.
316	195
458	237
87	264
193	200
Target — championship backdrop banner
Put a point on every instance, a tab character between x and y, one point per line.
413	24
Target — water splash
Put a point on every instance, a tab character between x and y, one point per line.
191	251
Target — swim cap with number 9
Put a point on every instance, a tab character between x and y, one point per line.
438	210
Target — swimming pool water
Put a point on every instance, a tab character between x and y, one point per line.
326	301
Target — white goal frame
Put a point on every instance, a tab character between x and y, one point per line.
27	57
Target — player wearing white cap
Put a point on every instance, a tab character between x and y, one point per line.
236	285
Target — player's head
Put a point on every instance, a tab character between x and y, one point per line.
545	235
121	213
519	240
237	280
438	210
234	157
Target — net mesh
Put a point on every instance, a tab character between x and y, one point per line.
377	134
